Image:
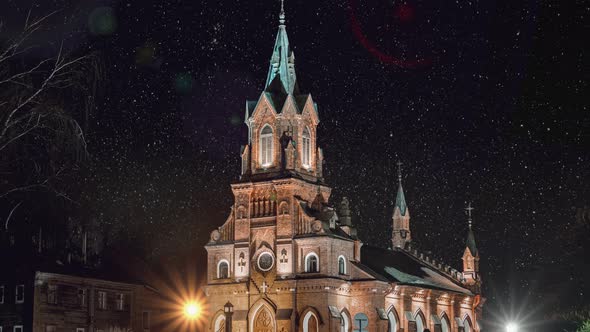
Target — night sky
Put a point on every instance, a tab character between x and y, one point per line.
483	102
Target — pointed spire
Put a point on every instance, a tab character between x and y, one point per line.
470	236
282	61
400	199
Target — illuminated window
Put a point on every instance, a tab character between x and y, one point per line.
344	322
312	263
223	270
266	146
306	149
17	328
392	321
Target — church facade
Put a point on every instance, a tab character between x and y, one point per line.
286	259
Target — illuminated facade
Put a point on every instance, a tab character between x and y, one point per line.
287	260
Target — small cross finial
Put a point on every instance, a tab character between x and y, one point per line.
399	171
469	208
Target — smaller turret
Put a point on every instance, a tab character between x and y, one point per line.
401	235
471	257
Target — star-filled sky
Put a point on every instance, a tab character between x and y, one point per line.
483	102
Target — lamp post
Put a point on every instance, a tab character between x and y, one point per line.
228	309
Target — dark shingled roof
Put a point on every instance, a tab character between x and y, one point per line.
400	267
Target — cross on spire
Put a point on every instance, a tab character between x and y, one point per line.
282	13
469	208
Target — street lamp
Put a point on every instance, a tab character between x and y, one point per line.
228	309
511	327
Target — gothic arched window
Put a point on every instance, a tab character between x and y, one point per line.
266	146
391	317
444	324
341	265
310	322
467	324
312	263
223	269
284	258
419	322
306	148
344	322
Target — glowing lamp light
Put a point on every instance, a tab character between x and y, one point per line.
511	327
192	310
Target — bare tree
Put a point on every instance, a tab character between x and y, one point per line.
40	139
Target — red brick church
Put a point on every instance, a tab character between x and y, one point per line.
288	260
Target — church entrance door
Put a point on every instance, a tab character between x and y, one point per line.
264	321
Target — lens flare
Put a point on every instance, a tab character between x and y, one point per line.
192	310
511	327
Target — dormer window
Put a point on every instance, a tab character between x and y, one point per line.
266	146
306	149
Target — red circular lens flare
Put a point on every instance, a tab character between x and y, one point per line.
404	12
383	57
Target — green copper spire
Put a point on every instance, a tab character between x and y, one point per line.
282	61
470	236
400	199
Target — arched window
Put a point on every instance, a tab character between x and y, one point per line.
419	322
445	326
361	323
220	324
392	319
284	258
310	322
344	322
306	148
467	324
312	263
266	146
223	269
341	265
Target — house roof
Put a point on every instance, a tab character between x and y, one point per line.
401	267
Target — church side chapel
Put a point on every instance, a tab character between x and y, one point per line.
286	259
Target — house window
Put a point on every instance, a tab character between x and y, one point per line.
1	295
80	329
52	294
102	300
120	301
341	265
145	320
266	146
312	263
50	328
223	270
18	328
20	293
306	152
82	297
